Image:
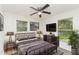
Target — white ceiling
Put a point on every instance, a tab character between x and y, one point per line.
25	9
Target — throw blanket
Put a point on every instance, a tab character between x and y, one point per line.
36	48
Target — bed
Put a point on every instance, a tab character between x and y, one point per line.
29	44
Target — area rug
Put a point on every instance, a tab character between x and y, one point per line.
58	53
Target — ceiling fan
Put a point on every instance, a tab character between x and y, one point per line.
40	10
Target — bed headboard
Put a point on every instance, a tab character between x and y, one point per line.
19	36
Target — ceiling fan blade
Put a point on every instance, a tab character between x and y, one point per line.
33	13
34	8
40	15
47	5
46	12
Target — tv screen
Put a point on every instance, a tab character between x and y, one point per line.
51	27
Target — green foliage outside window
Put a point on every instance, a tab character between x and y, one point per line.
65	27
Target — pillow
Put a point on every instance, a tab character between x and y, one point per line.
31	37
22	39
26	41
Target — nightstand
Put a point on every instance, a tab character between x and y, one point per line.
10	48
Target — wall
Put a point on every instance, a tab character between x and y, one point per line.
10	21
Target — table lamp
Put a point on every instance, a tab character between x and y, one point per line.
39	33
10	34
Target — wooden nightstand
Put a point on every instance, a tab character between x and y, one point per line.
10	48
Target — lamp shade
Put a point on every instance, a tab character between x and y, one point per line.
10	33
39	32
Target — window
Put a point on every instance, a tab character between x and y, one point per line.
64	28
21	25
1	22
34	26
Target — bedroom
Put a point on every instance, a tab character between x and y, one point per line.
15	15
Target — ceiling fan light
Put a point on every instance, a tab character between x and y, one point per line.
39	13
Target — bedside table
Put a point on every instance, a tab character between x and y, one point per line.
10	48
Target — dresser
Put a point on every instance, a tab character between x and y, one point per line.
51	39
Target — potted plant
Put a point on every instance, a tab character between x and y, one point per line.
74	41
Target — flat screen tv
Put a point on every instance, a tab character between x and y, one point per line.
51	27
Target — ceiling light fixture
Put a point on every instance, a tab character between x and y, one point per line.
39	13
41	10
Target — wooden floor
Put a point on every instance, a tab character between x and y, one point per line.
10	52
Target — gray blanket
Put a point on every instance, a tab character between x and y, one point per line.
36	48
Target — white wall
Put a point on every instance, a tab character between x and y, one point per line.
10	21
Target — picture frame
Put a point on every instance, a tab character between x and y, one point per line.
34	26
1	22
21	25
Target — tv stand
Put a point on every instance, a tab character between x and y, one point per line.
51	39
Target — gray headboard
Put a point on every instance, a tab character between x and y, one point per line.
19	36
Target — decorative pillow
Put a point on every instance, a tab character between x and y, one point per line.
26	41
31	37
22	39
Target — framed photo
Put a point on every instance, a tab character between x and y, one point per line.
34	26
1	22
21	25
